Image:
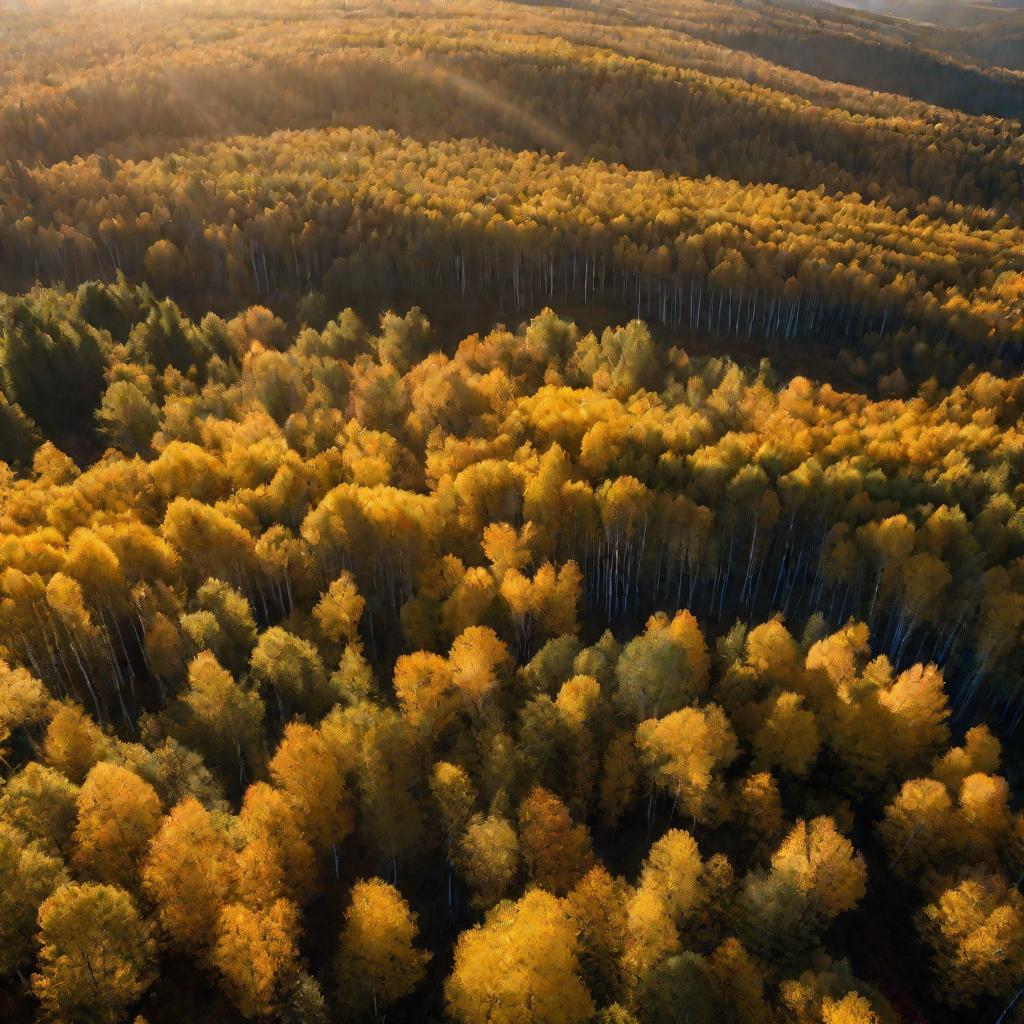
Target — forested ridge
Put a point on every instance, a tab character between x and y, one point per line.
509	514
987	30
877	224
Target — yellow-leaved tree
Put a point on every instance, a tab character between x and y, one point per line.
96	954
519	965
189	873
556	851
488	857
976	934
28	875
823	866
255	950
118	814
378	962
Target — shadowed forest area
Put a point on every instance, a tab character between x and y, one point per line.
511	513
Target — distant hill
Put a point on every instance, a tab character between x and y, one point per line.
949	13
981	30
998	41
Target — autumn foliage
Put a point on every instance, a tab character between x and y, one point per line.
509	514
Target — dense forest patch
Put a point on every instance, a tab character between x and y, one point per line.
509	512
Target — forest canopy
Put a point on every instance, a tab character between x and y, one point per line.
509	513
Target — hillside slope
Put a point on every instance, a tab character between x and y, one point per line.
510	513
